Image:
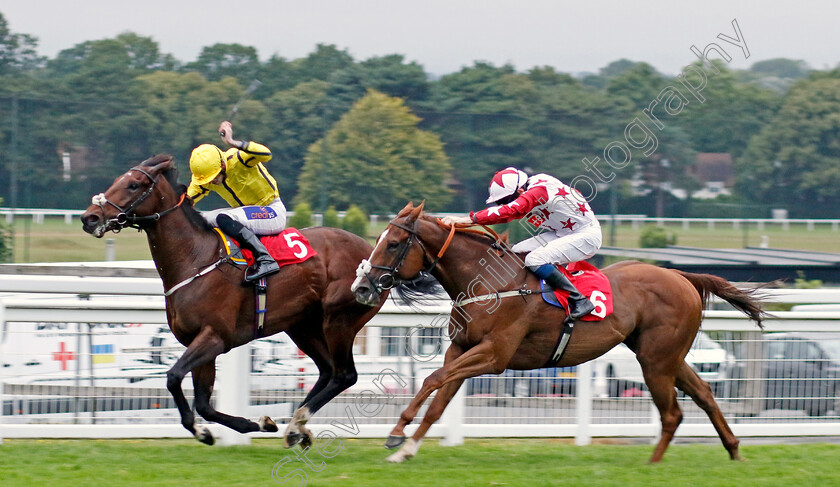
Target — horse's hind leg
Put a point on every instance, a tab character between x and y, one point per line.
689	382
339	331
203	378
315	347
661	385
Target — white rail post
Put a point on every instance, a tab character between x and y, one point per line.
234	391
3	359
583	394
453	418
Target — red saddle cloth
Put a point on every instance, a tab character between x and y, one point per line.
593	284
287	247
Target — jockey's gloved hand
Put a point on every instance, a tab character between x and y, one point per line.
453	220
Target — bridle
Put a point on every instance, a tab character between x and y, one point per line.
125	217
388	280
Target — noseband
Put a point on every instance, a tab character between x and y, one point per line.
126	217
389	279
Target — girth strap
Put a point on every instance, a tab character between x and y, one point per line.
562	342
260	290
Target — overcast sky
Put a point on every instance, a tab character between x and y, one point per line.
445	35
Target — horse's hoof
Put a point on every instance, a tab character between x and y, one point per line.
306	442
203	434
394	441
292	439
408	451
267	425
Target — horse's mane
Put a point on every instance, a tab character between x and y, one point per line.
171	176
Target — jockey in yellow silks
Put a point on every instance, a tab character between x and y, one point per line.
239	176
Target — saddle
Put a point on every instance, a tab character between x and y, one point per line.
287	248
591	282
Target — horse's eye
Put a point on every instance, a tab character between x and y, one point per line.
392	246
133	186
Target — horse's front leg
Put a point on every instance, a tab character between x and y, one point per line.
490	356
203	378
203	349
397	436
442	398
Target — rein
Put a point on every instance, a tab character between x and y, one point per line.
389	280
489	232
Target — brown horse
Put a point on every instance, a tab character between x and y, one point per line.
657	313
214	313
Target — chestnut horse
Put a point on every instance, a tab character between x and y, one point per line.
657	313
214	313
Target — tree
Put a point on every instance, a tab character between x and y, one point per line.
276	74
781	68
616	68
732	113
300	116
302	217
185	110
331	218
641	83
572	122
321	63
484	115
144	53
392	76
795	159
17	51
220	60
355	221
377	158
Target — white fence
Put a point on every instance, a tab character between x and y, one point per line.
395	351
635	221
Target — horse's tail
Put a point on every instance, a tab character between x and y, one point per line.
747	301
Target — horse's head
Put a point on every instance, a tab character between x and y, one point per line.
127	202
399	255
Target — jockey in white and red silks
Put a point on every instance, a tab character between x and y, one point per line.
570	231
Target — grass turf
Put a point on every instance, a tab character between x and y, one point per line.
526	462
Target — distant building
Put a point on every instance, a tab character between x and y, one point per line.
715	171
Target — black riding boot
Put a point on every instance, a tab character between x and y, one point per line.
579	305
264	264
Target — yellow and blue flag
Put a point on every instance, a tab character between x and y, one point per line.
103	354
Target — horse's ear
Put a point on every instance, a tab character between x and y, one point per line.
505	236
406	209
415	213
160	162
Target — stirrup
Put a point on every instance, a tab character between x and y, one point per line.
258	271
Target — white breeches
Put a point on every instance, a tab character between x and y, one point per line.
550	248
262	220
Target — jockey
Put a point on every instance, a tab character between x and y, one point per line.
238	176
573	233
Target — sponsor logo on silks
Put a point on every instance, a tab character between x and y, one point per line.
103	354
259	213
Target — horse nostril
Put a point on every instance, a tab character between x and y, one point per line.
362	290
90	220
